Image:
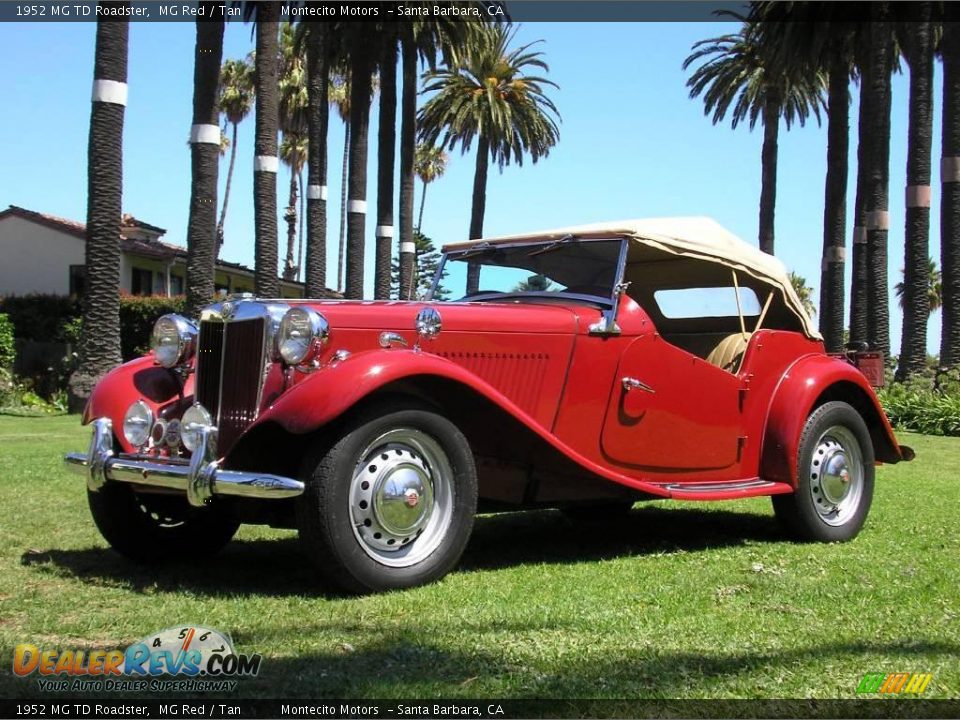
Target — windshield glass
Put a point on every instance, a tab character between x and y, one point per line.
563	267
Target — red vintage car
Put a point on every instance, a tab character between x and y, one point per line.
585	368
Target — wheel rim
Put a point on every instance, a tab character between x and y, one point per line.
836	475
401	497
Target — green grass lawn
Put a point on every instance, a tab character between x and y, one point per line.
680	600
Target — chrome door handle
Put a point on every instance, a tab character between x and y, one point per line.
630	383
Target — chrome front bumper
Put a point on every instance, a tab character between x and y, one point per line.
200	478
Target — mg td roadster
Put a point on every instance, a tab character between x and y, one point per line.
585	368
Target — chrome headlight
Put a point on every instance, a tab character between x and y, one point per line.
173	341
302	335
195	418
137	423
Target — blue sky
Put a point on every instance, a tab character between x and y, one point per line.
632	144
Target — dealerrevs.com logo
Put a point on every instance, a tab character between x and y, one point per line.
188	658
898	683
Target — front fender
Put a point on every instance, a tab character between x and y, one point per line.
138	379
810	382
332	391
329	392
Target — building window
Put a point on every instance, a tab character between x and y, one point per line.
78	279
176	285
141	282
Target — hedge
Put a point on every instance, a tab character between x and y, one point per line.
7	348
56	318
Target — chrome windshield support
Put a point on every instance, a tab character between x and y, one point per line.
199	479
607	324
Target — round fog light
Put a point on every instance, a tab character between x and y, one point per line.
195	418
137	423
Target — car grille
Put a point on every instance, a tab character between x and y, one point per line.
230	370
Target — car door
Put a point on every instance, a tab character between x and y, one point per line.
671	411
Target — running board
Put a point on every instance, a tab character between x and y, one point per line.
725	490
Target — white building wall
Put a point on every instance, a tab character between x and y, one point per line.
35	258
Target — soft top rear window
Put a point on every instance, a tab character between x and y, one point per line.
699	302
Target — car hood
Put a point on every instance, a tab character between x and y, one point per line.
527	317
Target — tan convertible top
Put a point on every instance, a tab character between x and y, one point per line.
699	237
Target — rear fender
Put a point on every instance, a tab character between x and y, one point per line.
809	383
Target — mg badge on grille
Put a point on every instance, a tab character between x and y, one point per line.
226	312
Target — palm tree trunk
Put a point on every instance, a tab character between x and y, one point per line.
386	151
858	288
290	215
318	89
302	213
408	130
423	200
950	198
876	197
204	160
479	208
100	338
916	268
226	190
266	162
768	186
835	206
357	205
343	206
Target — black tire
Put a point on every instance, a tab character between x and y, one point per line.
152	528
825	507
345	521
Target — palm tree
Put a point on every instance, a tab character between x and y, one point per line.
293	102
429	164
950	198
205	146
933	287
235	102
876	98
100	337
266	162
318	115
361	43
339	97
386	151
534	283
916	42
423	39
804	292
739	70
812	38
489	96
858	260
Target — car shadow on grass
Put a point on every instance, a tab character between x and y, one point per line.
278	567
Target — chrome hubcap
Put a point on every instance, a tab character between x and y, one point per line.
401	497
836	475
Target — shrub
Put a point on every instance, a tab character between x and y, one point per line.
40	317
137	316
7	349
926	404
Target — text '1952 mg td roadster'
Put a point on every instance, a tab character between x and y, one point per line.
585	368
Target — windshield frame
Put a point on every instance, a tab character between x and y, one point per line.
610	301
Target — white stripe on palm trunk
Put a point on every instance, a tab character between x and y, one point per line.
206	134
266	163
878	220
385	231
357	206
918	196
950	169
109	91
316	192
408	247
